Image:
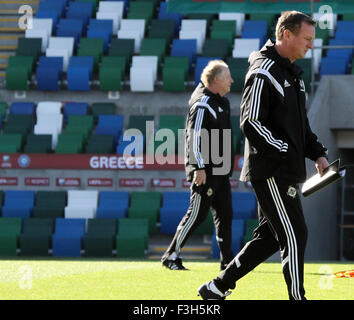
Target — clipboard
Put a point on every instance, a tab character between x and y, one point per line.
330	174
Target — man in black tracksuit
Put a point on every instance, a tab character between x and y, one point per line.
278	139
209	160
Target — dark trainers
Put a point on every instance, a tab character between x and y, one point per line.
208	293
174	264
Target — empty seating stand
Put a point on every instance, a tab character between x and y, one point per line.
50	204
18	203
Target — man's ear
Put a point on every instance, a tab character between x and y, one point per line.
287	34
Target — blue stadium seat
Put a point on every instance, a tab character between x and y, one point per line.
68	236
75	108
199	66
22	108
238	231
80	10
79	73
52	6
110	124
102	29
49	73
185	48
244	205
333	66
71	28
255	29
113	204
18	203
174	207
345	54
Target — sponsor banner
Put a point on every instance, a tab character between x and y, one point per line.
100	182
95	162
131	182
68	182
258	6
163	183
37	181
8	181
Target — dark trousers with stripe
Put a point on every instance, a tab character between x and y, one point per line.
281	227
214	195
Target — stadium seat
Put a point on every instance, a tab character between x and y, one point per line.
132	238
174	207
196	35
18	72
111	73
68	236
80	124
145	205
101	29
79	74
49	73
162	29
333	66
50	204
80	10
175	73
38	143
29	47
35	239
11	143
243	47
19	124
100	143
81	204
99	238
71	28
18	203
153	47
255	29
185	48
113	204
22	108
110	124
74	108
223	29
244	205
92	47
143	73
122	48
216	48
10	230
238	69
141	10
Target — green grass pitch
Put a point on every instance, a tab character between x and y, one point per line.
112	279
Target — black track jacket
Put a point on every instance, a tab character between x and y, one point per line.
274	120
207	111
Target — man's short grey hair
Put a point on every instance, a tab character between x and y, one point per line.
213	69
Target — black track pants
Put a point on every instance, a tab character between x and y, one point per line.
281	227
214	195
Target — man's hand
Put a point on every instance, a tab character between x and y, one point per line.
199	177
321	164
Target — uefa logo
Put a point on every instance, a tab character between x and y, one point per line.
24	161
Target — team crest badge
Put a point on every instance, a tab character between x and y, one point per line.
291	192
209	192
